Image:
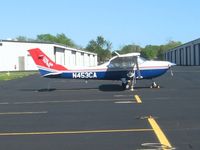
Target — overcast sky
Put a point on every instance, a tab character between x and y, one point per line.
121	22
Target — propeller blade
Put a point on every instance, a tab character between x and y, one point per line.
172	74
170	66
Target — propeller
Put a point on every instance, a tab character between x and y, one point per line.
171	71
170	66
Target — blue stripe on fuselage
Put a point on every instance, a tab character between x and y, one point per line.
44	72
107	75
153	73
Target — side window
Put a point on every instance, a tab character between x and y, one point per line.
121	62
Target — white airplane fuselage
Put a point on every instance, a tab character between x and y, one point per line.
118	68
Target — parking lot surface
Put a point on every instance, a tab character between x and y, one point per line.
49	114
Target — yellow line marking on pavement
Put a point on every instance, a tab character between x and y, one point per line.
137	98
74	132
23	113
124	102
69	101
159	133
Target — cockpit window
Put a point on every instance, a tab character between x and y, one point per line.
141	60
122	62
125	62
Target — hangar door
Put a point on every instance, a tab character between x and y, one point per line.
59	55
73	58
21	63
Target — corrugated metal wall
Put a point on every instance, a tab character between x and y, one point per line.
187	54
14	55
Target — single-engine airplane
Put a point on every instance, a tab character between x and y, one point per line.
124	67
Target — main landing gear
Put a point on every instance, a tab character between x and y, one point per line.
128	85
154	85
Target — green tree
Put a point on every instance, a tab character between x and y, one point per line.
157	51
23	38
150	51
101	47
63	39
166	47
130	49
46	38
59	38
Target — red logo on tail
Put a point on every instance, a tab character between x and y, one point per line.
47	62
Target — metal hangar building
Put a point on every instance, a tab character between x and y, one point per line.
187	54
15	57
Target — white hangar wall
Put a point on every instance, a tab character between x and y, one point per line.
15	57
187	54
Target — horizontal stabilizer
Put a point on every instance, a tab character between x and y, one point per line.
52	75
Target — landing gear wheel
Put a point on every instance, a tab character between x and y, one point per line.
132	83
124	85
127	85
154	85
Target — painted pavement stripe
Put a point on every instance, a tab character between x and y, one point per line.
159	133
23	113
137	98
74	132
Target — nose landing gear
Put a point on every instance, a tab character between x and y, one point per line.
154	85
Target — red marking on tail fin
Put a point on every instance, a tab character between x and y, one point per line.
43	60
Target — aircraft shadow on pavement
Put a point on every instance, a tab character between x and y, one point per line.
56	89
111	87
67	89
104	87
38	90
116	87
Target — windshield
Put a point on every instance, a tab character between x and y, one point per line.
141	60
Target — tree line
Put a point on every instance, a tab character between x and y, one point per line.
103	47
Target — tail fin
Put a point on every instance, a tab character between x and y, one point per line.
44	63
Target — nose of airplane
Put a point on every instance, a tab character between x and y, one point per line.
170	64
